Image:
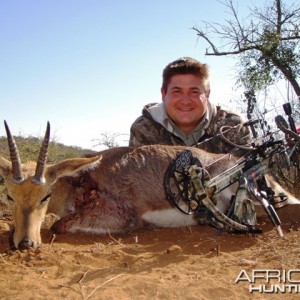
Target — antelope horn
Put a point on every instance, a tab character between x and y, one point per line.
14	156
41	162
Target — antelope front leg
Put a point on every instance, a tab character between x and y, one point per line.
100	217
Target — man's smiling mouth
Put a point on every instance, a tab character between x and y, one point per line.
185	108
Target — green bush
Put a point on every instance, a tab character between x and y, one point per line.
29	149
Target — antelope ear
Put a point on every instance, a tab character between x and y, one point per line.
70	167
5	167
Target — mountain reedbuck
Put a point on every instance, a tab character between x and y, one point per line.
111	191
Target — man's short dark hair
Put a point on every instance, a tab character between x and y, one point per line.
186	65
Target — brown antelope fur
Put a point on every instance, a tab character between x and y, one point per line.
130	191
113	191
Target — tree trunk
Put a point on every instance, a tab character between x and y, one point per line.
288	74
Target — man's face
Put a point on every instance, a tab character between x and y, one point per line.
185	101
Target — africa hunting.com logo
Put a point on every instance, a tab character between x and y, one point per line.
271	281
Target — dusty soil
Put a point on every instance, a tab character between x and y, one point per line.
185	263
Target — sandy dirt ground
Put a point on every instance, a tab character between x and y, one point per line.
183	263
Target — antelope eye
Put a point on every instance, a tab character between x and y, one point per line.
9	198
46	198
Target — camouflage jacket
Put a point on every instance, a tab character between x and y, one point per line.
146	131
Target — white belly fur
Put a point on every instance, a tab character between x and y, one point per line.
170	217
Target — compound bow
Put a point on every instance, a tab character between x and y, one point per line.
187	182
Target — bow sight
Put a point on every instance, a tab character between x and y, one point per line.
190	188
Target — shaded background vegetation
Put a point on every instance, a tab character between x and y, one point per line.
29	149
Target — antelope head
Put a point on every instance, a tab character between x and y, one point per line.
29	188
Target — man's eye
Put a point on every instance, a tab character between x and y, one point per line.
196	93
9	198
176	92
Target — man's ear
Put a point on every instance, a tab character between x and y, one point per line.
163	93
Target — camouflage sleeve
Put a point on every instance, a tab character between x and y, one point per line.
140	133
237	132
145	131
232	128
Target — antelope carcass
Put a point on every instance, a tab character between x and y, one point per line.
113	191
